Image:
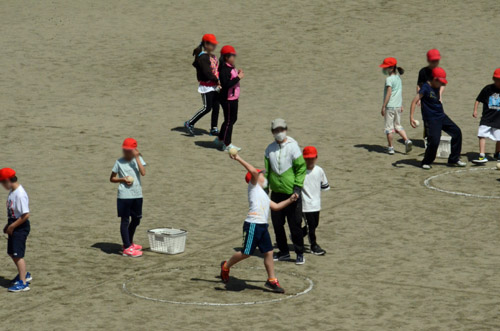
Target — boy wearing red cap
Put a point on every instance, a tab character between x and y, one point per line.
314	183
207	73
230	92
17	228
255	227
127	171
436	120
425	74
489	127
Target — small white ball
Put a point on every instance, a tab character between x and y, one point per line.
498	165
417	123
130	179
233	151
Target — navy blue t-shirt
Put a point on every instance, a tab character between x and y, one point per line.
432	108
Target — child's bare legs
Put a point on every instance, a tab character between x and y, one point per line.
269	263
482	145
403	135
237	257
21	267
389	139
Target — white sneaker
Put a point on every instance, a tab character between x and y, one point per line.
390	150
459	163
426	166
228	147
408	146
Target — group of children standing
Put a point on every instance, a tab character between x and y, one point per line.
430	87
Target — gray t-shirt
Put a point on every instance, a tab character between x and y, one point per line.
126	168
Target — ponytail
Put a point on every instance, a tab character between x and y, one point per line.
400	70
198	49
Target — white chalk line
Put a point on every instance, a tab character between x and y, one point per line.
218	304
428	184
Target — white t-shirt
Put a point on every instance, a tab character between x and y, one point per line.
258	200
17	203
314	183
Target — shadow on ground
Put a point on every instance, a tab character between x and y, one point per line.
108	248
206	144
197	132
4	282
234	284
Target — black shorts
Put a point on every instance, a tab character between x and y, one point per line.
129	207
256	235
16	246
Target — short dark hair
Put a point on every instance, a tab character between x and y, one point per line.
13	179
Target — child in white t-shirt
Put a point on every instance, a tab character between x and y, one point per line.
314	183
255	227
17	228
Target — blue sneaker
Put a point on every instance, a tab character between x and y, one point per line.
28	278
19	287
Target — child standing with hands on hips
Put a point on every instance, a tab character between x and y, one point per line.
229	94
127	171
207	73
489	127
17	228
314	183
392	106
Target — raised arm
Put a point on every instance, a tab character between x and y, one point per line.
137	156
247	166
283	204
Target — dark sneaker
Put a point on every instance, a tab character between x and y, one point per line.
300	259
496	155
281	256
224	273
275	286
28	278
317	250
189	128
214	132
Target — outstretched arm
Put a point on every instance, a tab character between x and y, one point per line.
283	204
248	166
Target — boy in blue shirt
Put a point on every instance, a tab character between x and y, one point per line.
436	120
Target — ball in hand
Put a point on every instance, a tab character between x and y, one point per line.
130	179
417	123
233	151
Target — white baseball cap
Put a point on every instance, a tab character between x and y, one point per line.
278	123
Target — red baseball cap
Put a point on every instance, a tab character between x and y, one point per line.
210	38
496	74
310	152
440	74
6	173
228	49
389	62
248	176
129	144
433	55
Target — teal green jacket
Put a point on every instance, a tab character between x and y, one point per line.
285	166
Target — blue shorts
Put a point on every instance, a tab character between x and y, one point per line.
129	207
16	246
256	235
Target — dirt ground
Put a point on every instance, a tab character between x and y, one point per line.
77	77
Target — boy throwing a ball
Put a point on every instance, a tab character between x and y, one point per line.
255	227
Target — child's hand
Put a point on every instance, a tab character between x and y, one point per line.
474	114
413	123
235	156
5	228
294	197
10	230
382	111
241	74
401	108
127	181
136	152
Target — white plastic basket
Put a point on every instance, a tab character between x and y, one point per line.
167	240
444	149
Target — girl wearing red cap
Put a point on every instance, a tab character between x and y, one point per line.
127	171
206	65
229	94
392	106
17	228
435	120
255	227
489	127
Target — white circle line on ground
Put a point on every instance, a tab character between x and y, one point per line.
218	304
428	184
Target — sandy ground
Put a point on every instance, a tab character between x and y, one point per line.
79	76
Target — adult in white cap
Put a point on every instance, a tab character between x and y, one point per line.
285	172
